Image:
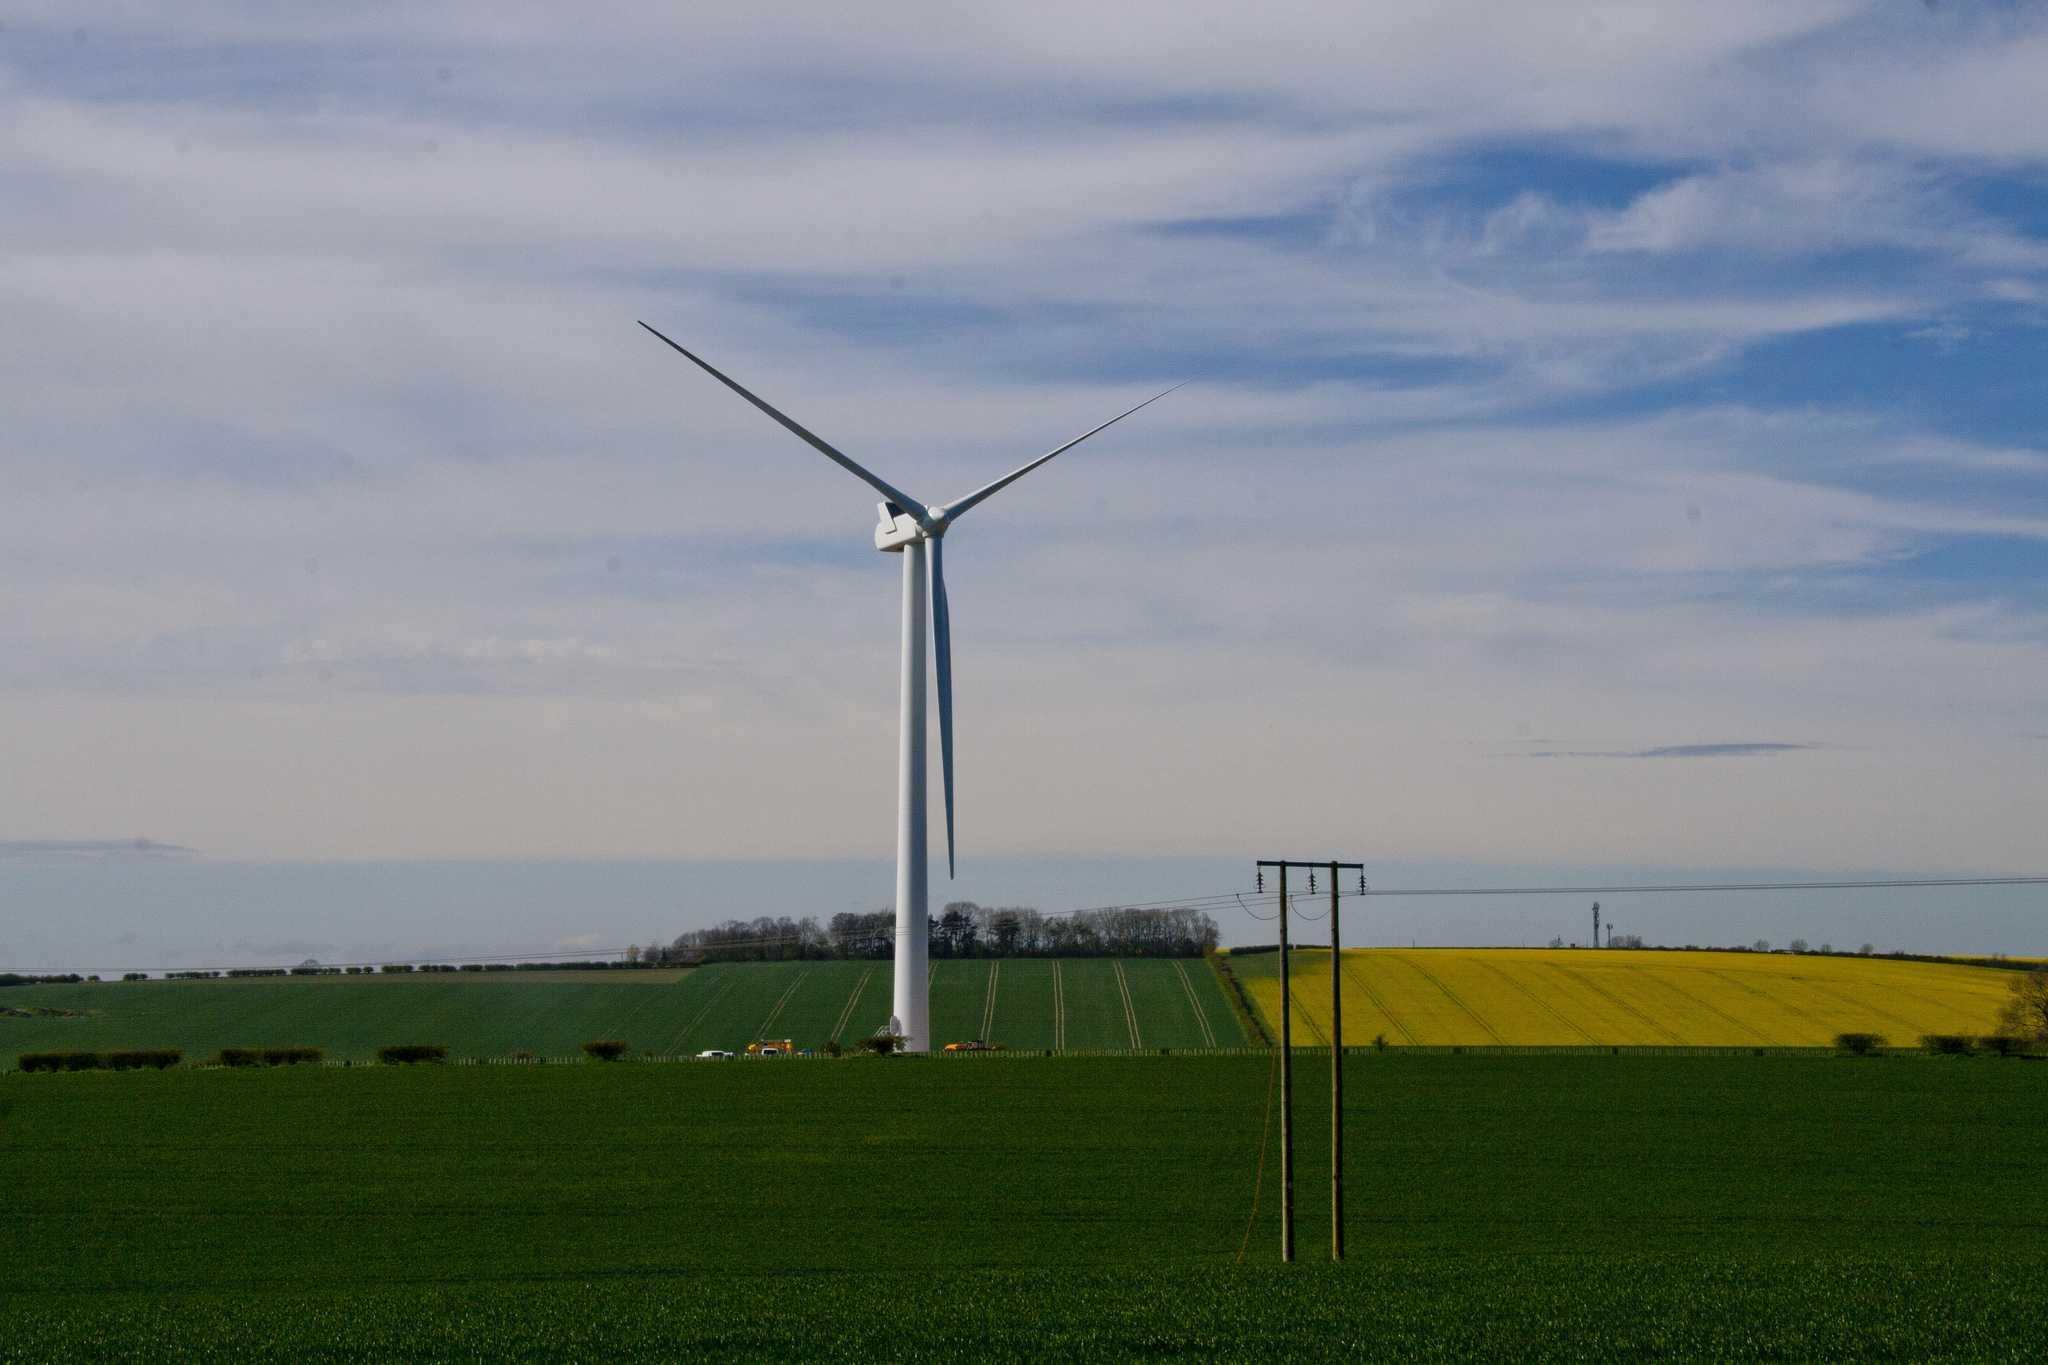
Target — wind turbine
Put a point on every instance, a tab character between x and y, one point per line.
913	529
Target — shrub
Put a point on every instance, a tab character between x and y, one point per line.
832	1048
2026	1015
159	1058
404	1054
1379	1040
40	1061
135	976
2005	1044
606	1049
882	1044
1862	1044
240	1056
292	1056
1947	1044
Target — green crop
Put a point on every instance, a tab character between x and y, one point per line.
1480	1309
1544	1208
724	1006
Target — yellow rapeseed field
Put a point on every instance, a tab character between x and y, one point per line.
1550	996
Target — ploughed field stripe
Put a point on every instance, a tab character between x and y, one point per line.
1123	987
988	1012
776	1013
1357	972
1648	1022
1735	981
1195	1003
853	999
1542	1004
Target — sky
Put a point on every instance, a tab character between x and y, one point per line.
1617	443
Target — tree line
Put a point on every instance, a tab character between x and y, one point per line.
963	929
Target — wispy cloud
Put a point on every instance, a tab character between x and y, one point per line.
89	852
1677	751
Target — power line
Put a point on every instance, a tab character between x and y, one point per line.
1704	886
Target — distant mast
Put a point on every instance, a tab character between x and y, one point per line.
1596	924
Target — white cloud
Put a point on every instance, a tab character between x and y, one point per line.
321	443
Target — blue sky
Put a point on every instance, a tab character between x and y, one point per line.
1577	381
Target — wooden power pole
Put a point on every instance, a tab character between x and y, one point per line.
1287	1067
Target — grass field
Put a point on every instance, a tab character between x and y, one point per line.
1028	1003
1560	997
1541	1208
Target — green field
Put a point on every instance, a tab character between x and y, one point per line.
1546	1208
1077	1004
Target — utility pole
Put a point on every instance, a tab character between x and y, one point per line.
1336	1084
1286	1091
1596	924
1287	1068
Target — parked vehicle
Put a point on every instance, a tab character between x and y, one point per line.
712	1052
771	1047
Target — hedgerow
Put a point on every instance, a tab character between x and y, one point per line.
269	1056
157	1058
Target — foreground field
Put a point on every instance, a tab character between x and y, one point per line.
1568	1310
1028	1003
1537	997
1582	1208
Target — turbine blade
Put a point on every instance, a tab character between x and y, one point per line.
895	495
942	650
954	509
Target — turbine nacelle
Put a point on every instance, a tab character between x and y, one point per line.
898	529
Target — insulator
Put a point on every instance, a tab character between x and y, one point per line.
1262	881
1311	883
1361	883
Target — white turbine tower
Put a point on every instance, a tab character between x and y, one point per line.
912	528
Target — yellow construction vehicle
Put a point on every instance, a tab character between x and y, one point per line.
772	1047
